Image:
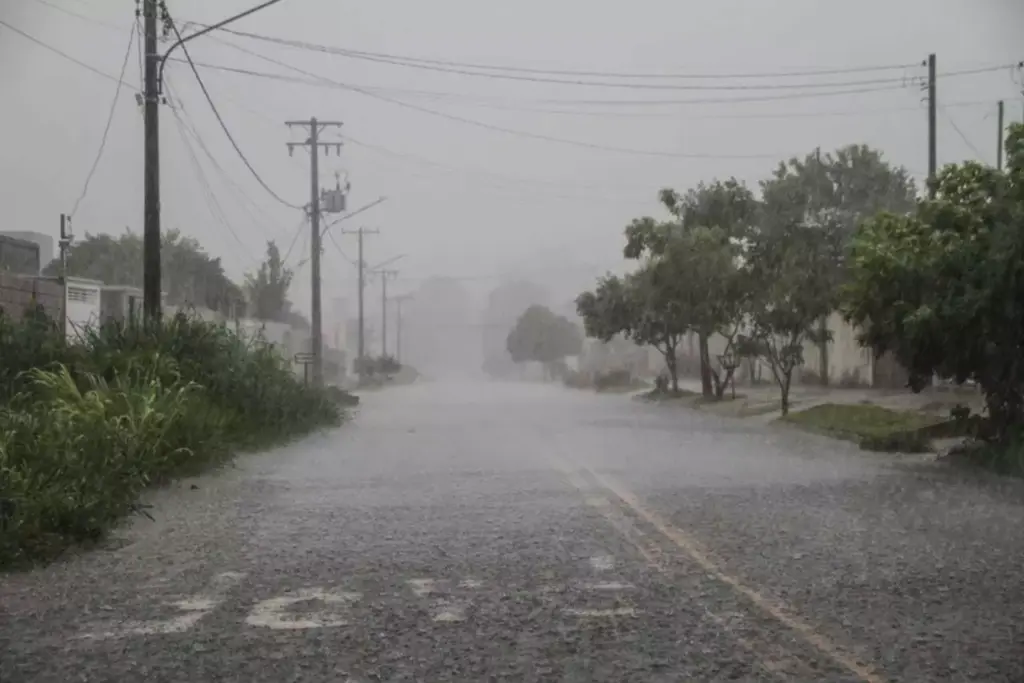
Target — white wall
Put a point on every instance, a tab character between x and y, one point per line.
82	306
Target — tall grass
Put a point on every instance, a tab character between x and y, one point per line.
85	428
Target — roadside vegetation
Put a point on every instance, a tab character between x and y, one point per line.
85	428
935	281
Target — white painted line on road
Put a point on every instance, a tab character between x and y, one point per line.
602	613
451	613
195	608
602	563
273	613
422	587
610	586
472	584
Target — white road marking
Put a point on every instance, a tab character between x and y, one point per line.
602	562
602	613
195	608
422	587
610	586
273	614
472	584
451	613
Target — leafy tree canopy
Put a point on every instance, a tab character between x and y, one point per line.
542	336
943	289
189	274
267	288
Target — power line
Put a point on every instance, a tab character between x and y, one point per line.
61	53
224	127
192	129
567	72
962	135
76	15
106	127
212	203
318	81
299	230
512	131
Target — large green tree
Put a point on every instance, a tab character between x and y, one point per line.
943	288
189	275
705	242
267	288
543	337
835	191
793	275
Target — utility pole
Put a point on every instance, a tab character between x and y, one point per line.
399	300
384	275
932	105
151	287
65	243
313	143
361	267
999	139
153	11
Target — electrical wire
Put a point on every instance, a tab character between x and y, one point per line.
295	238
227	131
212	203
247	203
63	54
566	72
106	127
76	15
962	135
512	131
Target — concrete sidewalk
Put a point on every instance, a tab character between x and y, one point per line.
762	403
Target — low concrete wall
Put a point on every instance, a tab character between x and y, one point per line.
20	292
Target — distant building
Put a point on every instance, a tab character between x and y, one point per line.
19	256
44	242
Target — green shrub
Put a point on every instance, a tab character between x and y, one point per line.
85	428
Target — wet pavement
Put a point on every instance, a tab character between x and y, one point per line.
461	532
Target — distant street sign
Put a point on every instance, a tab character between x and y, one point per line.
304	358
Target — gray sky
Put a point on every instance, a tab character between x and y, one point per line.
465	200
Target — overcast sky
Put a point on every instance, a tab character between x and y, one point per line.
465	199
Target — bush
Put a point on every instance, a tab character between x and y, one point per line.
85	428
613	379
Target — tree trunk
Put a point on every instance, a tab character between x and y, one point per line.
823	351
705	366
673	369
784	386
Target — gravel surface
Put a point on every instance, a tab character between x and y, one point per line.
527	533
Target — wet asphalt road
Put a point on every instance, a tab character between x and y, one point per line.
529	533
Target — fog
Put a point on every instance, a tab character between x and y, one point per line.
487	179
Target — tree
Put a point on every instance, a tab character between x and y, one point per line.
836	191
189	276
503	307
792	270
943	289
541	336
712	225
643	307
267	288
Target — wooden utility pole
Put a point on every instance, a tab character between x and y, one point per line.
932	147
315	127
1000	138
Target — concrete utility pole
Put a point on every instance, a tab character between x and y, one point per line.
1000	138
384	275
399	300
932	105
313	143
151	287
361	267
153	11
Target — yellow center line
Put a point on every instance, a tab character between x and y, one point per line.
689	546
